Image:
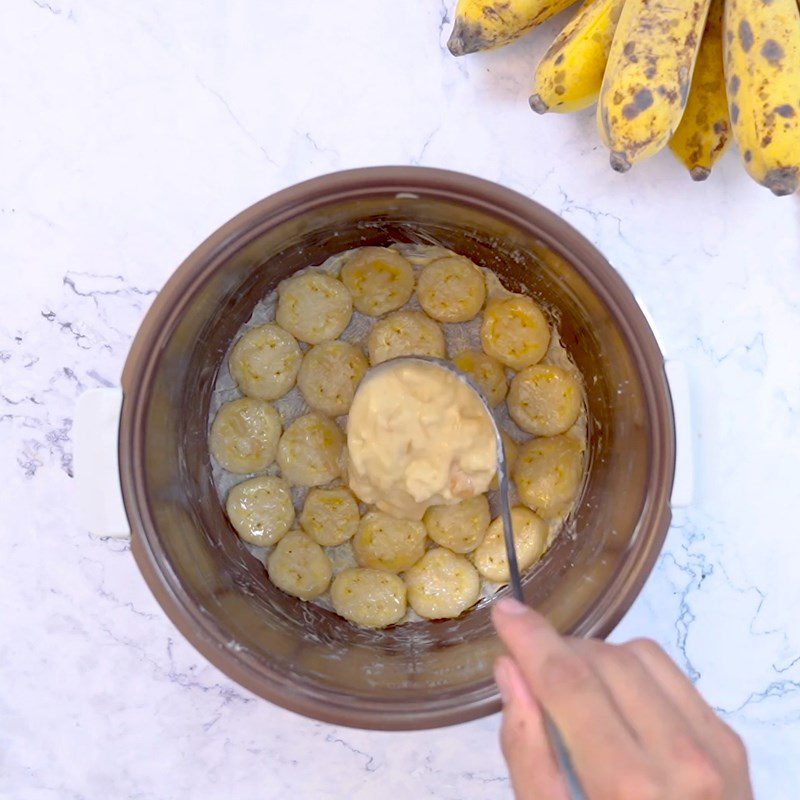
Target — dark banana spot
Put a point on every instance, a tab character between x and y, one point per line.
748	156
729	36
642	100
670	94
559	89
746	35
734	84
772	51
786	111
650	73
629	51
720	127
734	112
559	59
766	141
495	14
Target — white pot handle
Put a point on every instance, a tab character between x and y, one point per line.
96	456
678	381
683	484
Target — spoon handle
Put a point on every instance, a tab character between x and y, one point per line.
556	742
508	531
563	759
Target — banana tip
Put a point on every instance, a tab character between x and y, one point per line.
699	173
619	162
464	39
537	104
455	45
782	181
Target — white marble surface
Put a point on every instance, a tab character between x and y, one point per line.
130	131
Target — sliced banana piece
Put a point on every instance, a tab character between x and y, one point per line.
329	376
460	527
512	450
299	566
488	374
548	474
265	362
515	331
244	435
379	279
405	333
371	598
530	540
544	400
442	585
330	516
451	289
260	509
388	543
310	451
313	306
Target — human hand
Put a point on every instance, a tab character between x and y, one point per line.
634	725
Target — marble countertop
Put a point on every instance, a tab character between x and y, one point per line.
130	131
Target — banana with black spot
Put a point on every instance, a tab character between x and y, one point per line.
762	69
648	76
569	75
704	132
483	24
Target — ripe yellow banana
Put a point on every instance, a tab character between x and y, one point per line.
569	75
481	24
762	69
648	75
704	132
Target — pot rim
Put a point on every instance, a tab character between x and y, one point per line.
160	320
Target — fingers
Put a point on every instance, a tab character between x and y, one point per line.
648	710
634	725
531	765
663	729
674	683
720	740
600	743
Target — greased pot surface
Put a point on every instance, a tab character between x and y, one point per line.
299	655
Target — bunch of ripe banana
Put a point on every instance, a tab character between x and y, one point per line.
677	72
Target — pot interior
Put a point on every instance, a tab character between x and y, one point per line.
301	655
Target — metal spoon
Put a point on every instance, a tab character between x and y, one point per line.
556	742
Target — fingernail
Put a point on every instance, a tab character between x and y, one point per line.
502	679
508	605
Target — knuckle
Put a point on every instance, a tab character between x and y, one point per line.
709	783
638	784
564	673
733	748
697	769
644	648
620	657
